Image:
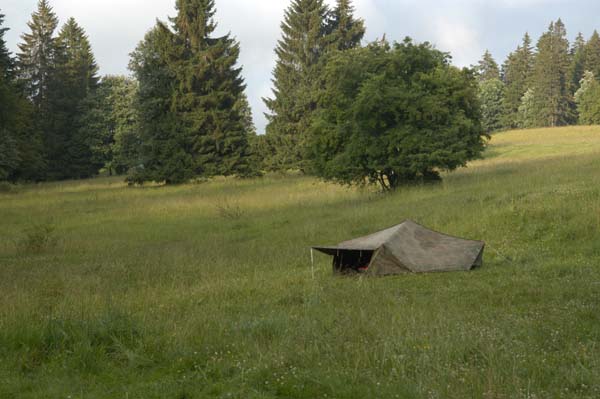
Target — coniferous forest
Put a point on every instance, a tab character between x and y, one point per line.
388	113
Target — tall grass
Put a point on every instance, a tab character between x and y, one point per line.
205	290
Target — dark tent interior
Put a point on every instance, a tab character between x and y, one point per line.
348	261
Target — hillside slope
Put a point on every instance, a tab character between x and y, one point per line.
205	290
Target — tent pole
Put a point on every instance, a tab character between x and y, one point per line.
312	262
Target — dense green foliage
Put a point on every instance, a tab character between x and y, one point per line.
491	95
310	32
516	75
56	73
192	117
20	145
205	291
394	115
74	79
588	100
36	56
185	115
345	31
9	151
110	125
549	80
577	67
295	81
592	54
526	113
540	84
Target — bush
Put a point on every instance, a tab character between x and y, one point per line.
38	238
228	210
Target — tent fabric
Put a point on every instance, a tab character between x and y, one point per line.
406	248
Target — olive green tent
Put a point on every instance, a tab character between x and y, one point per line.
405	248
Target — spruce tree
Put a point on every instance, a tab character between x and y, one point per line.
577	66
6	60
74	78
110	124
21	151
487	68
592	55
190	94
517	71
35	59
9	151
208	92
552	100
296	80
165	155
345	30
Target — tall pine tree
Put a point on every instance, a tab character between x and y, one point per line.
21	151
577	66
75	77
190	91
110	124
592	55
35	59
487	68
208	92
9	151
164	154
296	80
35	71
517	71
552	100
6	61
346	31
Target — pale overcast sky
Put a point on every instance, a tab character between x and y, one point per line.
466	28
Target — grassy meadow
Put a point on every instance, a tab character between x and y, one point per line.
206	291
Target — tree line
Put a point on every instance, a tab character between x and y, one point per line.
551	84
385	113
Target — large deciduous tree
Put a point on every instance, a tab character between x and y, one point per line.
394	115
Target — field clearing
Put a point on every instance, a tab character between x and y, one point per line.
205	290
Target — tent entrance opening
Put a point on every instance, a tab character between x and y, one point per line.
352	261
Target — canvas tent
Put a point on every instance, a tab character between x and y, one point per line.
405	248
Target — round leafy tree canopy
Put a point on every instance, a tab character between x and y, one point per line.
393	115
